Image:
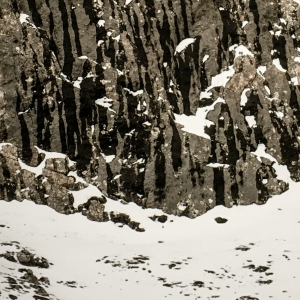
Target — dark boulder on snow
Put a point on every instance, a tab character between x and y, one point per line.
221	220
161	219
94	209
26	258
126	220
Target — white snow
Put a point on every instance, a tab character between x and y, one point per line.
231	48
23	112
276	63
117	177
205	94
244	98
221	79
196	124
184	44
83	57
218	165
294	80
82	196
77	178
297	59
101	23
78	82
244	23
108	158
105	102
73	244
39	169
139	92
65	77
267	89
261	71
117	38
25	19
120	72
283	21
251	121
242	51
205	58
279	114
281	170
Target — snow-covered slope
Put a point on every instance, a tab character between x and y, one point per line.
256	253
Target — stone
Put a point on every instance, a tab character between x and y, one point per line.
221	220
94	209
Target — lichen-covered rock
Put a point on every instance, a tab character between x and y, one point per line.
58	165
126	220
94	208
60	199
26	258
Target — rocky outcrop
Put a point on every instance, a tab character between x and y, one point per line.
51	187
94	209
108	84
52	183
26	258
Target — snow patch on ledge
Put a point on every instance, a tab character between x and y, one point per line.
184	44
218	165
108	158
205	58
276	63
196	124
244	98
39	169
221	79
251	121
101	23
105	102
139	92
25	19
261	70
281	170
294	80
240	50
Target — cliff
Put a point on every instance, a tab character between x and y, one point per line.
179	105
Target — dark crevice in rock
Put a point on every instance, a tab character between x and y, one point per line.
219	186
176	147
76	32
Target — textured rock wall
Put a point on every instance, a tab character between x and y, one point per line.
102	82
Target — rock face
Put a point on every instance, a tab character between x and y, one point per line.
115	86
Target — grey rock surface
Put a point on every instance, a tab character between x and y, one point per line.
101	79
